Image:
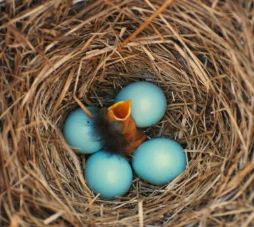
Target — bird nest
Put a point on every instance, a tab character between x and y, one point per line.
57	55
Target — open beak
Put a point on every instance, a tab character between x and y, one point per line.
121	112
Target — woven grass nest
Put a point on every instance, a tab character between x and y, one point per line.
57	55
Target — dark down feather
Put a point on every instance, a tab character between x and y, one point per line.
110	132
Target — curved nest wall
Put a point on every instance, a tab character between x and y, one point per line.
55	55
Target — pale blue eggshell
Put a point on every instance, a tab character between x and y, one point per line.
109	174
149	103
79	132
159	160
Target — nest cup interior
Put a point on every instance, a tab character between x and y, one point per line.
199	53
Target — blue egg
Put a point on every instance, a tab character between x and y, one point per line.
79	132
149	103
159	160
109	174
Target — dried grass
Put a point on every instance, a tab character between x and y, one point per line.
55	55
